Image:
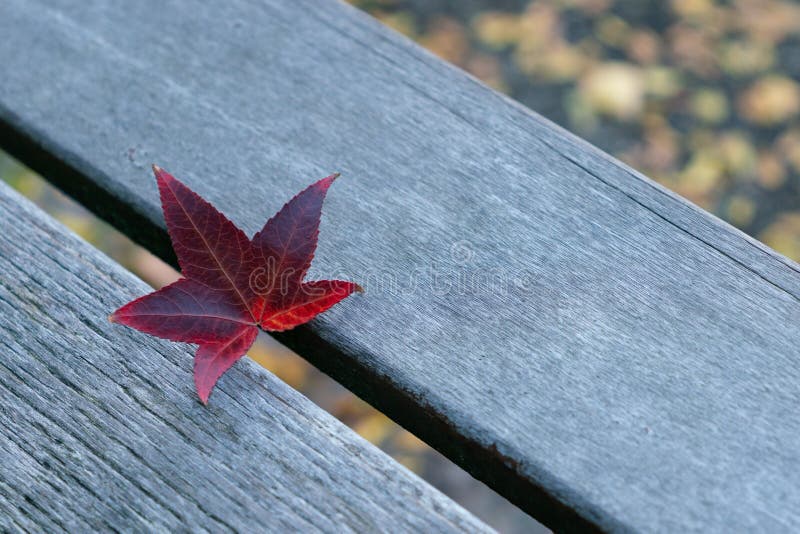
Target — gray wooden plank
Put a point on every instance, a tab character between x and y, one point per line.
100	428
593	347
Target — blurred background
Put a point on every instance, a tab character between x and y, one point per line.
700	95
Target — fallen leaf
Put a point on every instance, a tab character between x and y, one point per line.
232	285
771	100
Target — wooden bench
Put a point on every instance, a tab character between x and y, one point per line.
593	347
101	430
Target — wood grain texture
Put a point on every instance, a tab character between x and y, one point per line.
637	366
100	427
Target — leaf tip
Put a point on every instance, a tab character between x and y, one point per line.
203	392
326	182
112	318
358	288
162	176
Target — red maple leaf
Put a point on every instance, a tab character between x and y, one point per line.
232	285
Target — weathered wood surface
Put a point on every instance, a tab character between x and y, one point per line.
639	365
100	428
